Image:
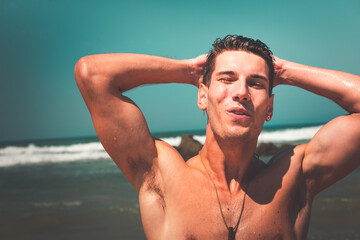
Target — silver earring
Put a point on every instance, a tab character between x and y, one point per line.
268	118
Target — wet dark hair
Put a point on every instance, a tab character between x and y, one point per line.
237	42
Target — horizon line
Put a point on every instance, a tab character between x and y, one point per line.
155	133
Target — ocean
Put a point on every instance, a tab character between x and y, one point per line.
71	189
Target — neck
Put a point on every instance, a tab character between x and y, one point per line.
228	160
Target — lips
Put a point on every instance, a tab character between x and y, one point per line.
239	111
238	114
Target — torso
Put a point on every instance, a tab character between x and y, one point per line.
180	202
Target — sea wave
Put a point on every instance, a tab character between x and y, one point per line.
32	154
278	136
288	135
15	155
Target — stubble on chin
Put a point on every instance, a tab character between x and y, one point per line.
234	134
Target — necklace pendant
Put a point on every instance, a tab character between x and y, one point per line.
231	235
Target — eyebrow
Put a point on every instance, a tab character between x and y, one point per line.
233	73
225	73
259	77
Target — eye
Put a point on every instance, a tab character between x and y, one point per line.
226	80
256	84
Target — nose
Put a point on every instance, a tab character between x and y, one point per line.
240	91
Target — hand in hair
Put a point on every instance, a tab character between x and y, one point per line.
278	71
196	69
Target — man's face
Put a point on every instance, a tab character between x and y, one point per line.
237	101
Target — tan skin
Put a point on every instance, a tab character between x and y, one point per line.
177	199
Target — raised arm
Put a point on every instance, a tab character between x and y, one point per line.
118	122
335	150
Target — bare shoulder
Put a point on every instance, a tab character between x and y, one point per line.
169	159
168	164
284	171
333	152
329	156
154	191
289	158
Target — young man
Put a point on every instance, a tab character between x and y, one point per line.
225	192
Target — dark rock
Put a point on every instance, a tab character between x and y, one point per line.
188	147
269	149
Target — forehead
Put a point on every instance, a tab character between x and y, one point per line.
241	62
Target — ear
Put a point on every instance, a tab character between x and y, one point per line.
270	108
202	96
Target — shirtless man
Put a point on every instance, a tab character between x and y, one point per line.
225	192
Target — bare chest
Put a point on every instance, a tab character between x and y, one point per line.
268	211
271	209
200	217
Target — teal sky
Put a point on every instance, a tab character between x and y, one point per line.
40	42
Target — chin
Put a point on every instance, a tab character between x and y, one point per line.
238	134
233	132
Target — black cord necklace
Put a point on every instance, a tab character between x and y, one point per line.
232	230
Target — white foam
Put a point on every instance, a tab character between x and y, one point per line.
173	141
13	155
201	139
32	154
288	135
278	136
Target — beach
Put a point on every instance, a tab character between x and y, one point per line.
71	189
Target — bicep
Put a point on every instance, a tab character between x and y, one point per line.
121	128
332	153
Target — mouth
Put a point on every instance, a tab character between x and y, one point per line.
238	113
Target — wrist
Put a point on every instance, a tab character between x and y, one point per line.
190	72
293	72
283	72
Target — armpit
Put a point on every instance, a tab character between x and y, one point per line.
152	185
